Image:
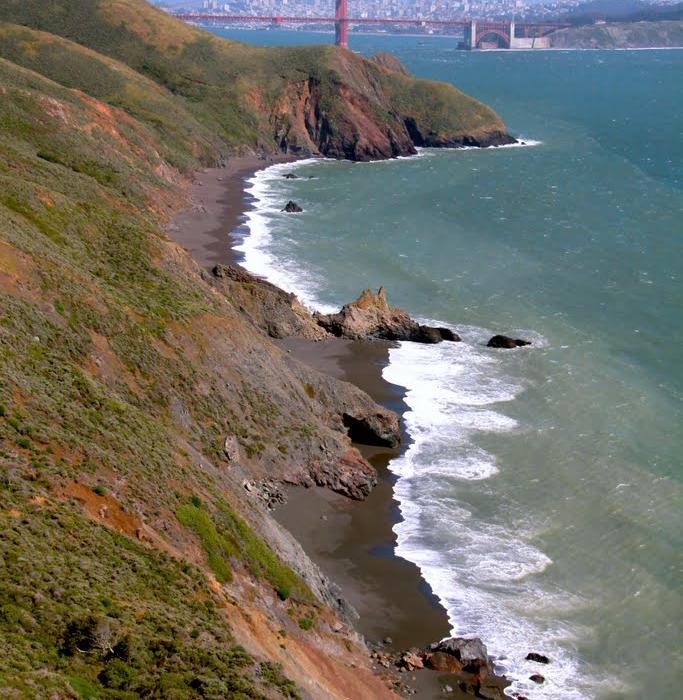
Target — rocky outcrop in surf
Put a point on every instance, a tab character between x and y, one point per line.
292	207
465	660
371	317
505	342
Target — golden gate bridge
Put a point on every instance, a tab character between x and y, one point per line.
477	33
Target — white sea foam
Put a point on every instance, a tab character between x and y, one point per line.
265	189
486	574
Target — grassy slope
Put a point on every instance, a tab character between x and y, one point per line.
87	300
185	141
122	370
231	88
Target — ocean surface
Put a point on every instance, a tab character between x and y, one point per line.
541	493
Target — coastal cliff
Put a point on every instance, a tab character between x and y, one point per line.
147	419
233	98
620	35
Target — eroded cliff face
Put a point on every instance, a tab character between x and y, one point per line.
147	420
302	125
366	113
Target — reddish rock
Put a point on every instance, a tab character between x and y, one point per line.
350	475
442	662
411	660
370	316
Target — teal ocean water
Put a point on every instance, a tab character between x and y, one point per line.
541	494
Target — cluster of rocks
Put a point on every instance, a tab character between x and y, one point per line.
467	660
370	316
292	208
281	315
268	491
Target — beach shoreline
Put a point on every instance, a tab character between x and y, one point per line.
397	609
217	205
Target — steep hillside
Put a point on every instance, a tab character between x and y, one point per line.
136	400
315	99
620	35
146	418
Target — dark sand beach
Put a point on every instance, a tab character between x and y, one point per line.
351	541
217	205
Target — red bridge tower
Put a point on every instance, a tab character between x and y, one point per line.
341	24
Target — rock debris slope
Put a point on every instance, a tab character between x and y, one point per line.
147	420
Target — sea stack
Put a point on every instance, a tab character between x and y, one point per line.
371	317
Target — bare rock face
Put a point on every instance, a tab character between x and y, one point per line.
370	316
231	449
351	475
269	308
469	660
504	341
457	655
350	410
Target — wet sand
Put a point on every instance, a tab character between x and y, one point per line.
352	542
216	210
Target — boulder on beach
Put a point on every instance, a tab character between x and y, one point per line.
411	660
467	659
538	658
504	341
292	207
291	176
370	316
458	655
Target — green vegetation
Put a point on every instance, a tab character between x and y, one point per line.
128	619
227	536
88	294
272	673
306	622
218	548
122	369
